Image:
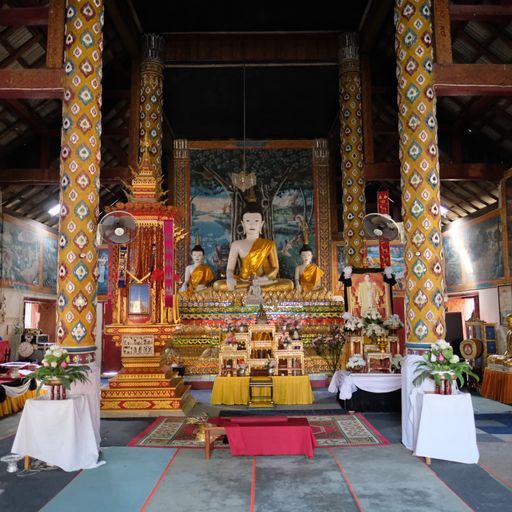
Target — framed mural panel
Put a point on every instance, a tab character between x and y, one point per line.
284	190
474	253
505	302
368	290
29	255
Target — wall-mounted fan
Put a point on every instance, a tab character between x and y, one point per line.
378	225
118	227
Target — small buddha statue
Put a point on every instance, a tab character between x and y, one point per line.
258	258
308	275
198	275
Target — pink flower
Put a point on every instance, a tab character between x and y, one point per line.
45	363
63	364
440	357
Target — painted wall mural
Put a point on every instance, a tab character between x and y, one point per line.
29	256
474	253
284	190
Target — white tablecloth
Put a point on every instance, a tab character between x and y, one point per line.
58	432
446	428
347	383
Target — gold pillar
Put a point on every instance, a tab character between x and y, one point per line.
145	188
419	161
79	178
351	146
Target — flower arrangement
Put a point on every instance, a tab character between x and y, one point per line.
396	363
330	346
356	362
372	316
441	364
56	366
375	331
353	323
393	322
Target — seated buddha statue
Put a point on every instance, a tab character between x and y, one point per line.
198	275
308	275
258	258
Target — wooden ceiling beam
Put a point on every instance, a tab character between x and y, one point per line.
31	83
55	41
16	54
204	49
389	171
501	13
373	24
473	79
442	33
125	27
51	176
27	115
23	16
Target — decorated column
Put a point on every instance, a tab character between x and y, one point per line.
419	160
150	121
80	178
351	144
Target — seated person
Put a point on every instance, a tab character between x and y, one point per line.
258	258
308	276
198	275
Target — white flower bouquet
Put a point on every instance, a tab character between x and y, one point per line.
353	324
356	362
393	322
372	315
56	365
396	363
375	331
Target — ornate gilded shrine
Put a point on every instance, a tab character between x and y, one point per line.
143	287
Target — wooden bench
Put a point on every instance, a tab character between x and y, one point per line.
211	434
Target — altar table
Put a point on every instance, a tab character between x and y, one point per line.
367	391
497	385
292	390
58	432
276	435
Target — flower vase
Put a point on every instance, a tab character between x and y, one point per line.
57	390
445	387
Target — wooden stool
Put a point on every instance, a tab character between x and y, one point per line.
211	433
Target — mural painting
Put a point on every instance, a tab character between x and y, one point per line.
474	253
284	190
29	256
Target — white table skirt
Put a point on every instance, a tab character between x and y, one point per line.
347	383
446	428
58	432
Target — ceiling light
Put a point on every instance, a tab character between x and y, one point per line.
54	210
444	211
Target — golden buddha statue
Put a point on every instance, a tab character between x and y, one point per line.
258	258
308	275
198	275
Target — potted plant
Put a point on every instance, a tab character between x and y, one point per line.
442	365
56	370
330	347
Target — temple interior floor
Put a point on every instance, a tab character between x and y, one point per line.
370	478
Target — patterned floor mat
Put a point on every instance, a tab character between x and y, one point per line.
329	431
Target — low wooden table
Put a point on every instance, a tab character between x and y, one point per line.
211	434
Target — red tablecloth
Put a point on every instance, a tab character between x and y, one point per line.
268	436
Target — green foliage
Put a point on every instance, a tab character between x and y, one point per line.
56	364
440	363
